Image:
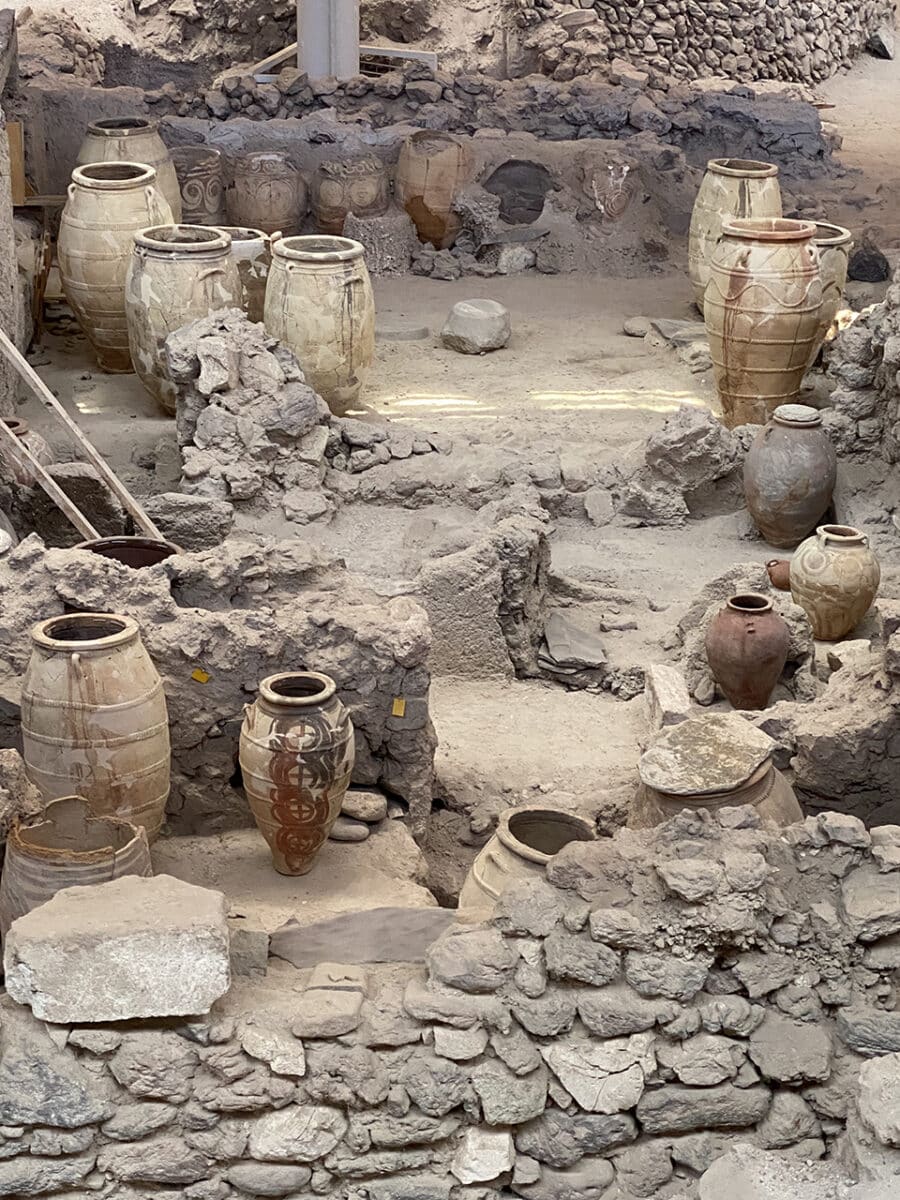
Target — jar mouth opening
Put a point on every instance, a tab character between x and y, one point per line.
131	551
187	239
85	631
536	834
298	689
70	829
113	174
750	602
111	126
840	533
742	167
318	248
240	233
16	425
195	153
769	229
831	235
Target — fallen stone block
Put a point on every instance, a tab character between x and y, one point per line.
130	948
666	696
476	327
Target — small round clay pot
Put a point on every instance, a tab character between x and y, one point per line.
746	647
134	552
779	570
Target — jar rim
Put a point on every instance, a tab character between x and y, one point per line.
82	632
115	175
742	168
769	229
582	829
183	239
318	248
122	126
829	234
297	689
847	534
750	603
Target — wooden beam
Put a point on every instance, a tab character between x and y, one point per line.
16	141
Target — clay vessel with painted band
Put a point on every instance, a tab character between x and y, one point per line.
731	187
14	469
789	475
761	311
432	169
319	303
94	719
177	274
834	578
296	753
267	192
133	140
250	249
834	244
746	648
107	204
199	171
358	185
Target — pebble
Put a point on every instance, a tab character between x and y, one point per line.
636	326
347	830
365	806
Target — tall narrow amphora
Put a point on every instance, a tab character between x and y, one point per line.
134	140
731	188
296	753
94	718
762	315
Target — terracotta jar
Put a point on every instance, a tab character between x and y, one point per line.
296	753
177	274
108	203
731	187
715	761
199	171
267	192
524	842
252	255
834	244
358	185
834	579
69	846
133	552
94	719
762	315
432	169
746	648
319	303
789	474
18	470
133	140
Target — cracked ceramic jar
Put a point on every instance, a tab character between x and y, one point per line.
761	309
361	186
297	751
319	303
199	171
17	469
177	274
834	244
267	192
94	718
107	204
250	249
731	187
834	578
789	475
133	140
432	168
747	645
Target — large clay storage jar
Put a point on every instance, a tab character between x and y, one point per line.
715	761
319	303
524	842
834	579
199	171
834	243
789	475
133	140
296	754
267	192
358	185
762	315
177	274
16	469
746	647
252	255
107	204
69	846
134	552
94	719
432	168
731	187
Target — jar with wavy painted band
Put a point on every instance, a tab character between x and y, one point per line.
834	244
297	752
16	468
252	255
761	310
358	185
94	717
199	171
134	140
731	188
267	192
835	578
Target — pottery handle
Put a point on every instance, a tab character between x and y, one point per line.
75	660
71	191
154	208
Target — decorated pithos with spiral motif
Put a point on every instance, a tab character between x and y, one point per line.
296	753
199	171
834	578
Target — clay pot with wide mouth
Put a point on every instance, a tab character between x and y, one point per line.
747	645
133	140
432	169
15	468
135	552
834	578
267	192
361	186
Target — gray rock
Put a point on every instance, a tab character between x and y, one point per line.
345	830
298	1133
530	907
19	798
134	1121
618	927
606	1077
574	956
56	1142
322	1013
748	1173
507	1098
762	974
586	1181
460	1045
474	959
869	1031
881	42
283	1053
789	1120
692	879
643	1170
561	1139
879	1081
731	1014
29	1176
599	506
268	1179
666	696
516	1050
547	1015
663	975
476	327
42	1085
871	903
676	1109
483	1155
435	1085
455	1008
636	326
191	522
370	807
619	1010
163	1159
791	1051
703	1060
155	1065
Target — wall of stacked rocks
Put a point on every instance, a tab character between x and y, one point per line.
621	1021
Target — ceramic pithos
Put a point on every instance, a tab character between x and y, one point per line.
432	168
834	578
69	846
177	274
761	310
296	755
135	552
525	840
107	204
267	192
94	718
789	475
252	255
834	244
715	761
199	171
319	303
133	140
16	469
358	185
746	647
731	187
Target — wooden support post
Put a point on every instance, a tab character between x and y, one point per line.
63	502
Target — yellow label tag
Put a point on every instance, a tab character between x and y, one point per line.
200	675
398	708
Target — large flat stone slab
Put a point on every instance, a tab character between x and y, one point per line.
133	947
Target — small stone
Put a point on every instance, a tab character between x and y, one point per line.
460	1045
788	1121
483	1155
663	975
574	956
268	1179
598	505
869	1031
283	1053
321	1013
370	807
606	1077
472	959
476	327
879	1086
791	1051
871	903
677	1109
249	945
589	1179
666	696
692	879
347	830
636	326
299	1133
506	1098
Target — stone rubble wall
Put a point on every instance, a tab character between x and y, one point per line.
660	994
